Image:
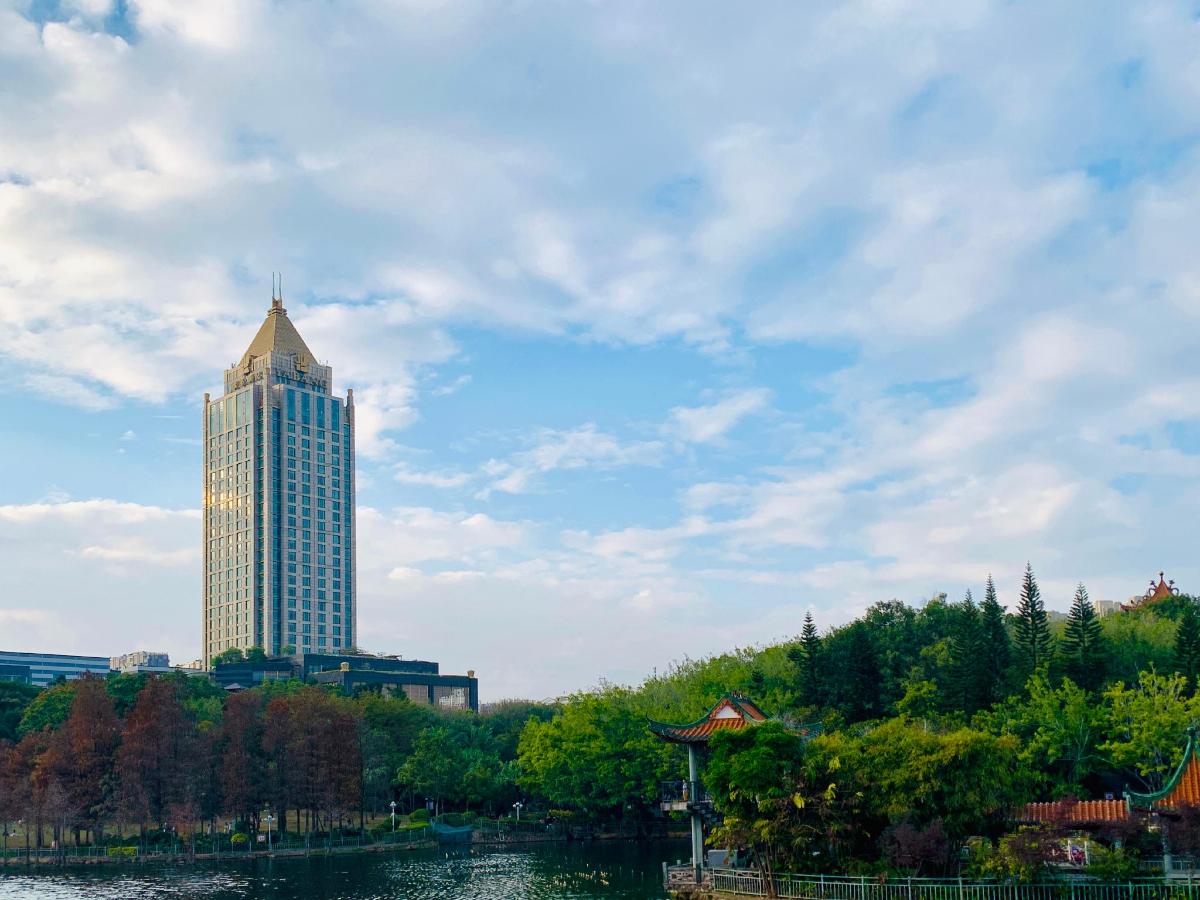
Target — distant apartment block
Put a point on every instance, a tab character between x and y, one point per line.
140	661
41	669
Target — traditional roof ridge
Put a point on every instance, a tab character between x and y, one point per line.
1191	787
744	712
277	334
1073	811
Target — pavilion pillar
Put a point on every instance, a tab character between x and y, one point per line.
697	821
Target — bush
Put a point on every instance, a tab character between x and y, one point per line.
1112	865
122	851
238	839
419	815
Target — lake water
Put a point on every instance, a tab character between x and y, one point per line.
537	872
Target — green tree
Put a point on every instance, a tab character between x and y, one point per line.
1187	646
1034	643
969	659
806	656
14	700
436	767
1082	647
232	655
1148	725
996	643
597	755
49	709
788	805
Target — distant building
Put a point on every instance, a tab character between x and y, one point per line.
417	679
140	661
1106	607
278	500
41	669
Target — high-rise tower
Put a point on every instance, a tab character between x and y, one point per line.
279	501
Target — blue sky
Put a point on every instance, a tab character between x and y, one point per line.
667	323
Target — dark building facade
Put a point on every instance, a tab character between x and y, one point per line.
417	679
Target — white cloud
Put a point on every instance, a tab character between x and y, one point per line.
704	424
576	448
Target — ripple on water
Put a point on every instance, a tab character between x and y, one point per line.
570	872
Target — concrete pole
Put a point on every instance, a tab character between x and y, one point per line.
697	822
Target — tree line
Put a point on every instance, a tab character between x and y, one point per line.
935	720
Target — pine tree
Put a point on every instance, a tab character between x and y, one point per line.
1034	643
968	656
997	647
1083	645
807	657
1187	646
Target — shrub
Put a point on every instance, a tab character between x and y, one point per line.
238	839
419	815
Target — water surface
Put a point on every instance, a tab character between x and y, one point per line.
535	872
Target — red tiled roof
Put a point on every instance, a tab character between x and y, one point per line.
1183	788
732	711
1074	812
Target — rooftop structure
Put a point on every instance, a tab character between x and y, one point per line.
140	661
1154	594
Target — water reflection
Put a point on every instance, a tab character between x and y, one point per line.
617	870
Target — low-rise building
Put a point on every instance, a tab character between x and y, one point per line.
417	679
42	669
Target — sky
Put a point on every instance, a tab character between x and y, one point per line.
667	323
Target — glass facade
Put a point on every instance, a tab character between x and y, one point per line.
278	502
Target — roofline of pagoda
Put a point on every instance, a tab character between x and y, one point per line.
1147	800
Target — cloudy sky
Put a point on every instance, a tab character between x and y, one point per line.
667	322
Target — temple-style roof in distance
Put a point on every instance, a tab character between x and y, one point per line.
277	334
1156	592
1182	789
733	711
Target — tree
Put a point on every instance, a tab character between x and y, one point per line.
969	659
14	700
791	807
86	749
49	709
807	658
597	755
1034	642
157	750
243	772
1148	725
1187	646
1082	649
997	650
232	655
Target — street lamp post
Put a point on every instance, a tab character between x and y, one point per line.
270	819
517	806
393	806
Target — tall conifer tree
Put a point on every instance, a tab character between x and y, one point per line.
969	658
807	657
996	644
1082	648
1187	646
1034	642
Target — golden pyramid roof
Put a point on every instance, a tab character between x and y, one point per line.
277	334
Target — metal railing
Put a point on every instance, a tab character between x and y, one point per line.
816	887
683	792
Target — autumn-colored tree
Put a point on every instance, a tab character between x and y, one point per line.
84	753
157	750
311	738
243	770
